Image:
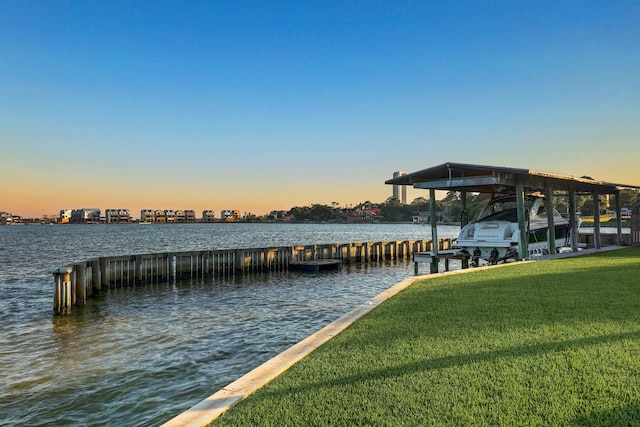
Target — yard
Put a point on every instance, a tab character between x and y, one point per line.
541	343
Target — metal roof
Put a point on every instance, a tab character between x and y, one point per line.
499	179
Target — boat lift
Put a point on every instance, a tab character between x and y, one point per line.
504	180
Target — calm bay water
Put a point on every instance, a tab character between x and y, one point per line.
139	356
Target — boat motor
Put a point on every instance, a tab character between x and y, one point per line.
475	261
493	259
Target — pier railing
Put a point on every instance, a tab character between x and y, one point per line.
77	282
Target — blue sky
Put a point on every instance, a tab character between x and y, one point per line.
267	105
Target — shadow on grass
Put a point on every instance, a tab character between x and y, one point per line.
627	415
432	364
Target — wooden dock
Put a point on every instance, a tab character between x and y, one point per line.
433	258
77	282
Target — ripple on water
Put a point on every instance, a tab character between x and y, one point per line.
141	355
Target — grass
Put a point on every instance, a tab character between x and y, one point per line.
544	343
605	221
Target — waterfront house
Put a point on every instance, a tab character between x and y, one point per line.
189	215
65	216
160	216
170	215
117	216
147	215
85	215
230	215
208	216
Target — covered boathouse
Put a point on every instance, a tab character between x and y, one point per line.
498	180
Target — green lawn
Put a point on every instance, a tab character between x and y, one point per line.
542	343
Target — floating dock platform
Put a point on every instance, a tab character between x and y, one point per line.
316	265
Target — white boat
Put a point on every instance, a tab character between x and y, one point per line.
495	235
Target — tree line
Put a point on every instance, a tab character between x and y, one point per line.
448	209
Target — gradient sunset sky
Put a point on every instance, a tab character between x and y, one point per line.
266	105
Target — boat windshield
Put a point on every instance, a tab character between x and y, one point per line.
508	214
505	209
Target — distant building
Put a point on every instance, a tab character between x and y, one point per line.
396	189
230	215
147	215
117	216
17	219
8	219
189	215
208	216
422	218
65	216
364	214
425	217
160	216
170	215
85	215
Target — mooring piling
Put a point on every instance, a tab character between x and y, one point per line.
62	291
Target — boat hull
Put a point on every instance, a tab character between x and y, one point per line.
496	240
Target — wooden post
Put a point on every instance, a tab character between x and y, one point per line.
138	269
206	263
62	290
171	266
239	260
635	224
522	224
104	280
464	214
619	216
573	223
434	264
58	293
80	279
551	244
95	277
179	259
433	219
597	241
434	230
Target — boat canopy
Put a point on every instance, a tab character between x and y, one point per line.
498	179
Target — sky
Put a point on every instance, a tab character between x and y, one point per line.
266	105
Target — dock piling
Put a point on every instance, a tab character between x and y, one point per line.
62	289
80	281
